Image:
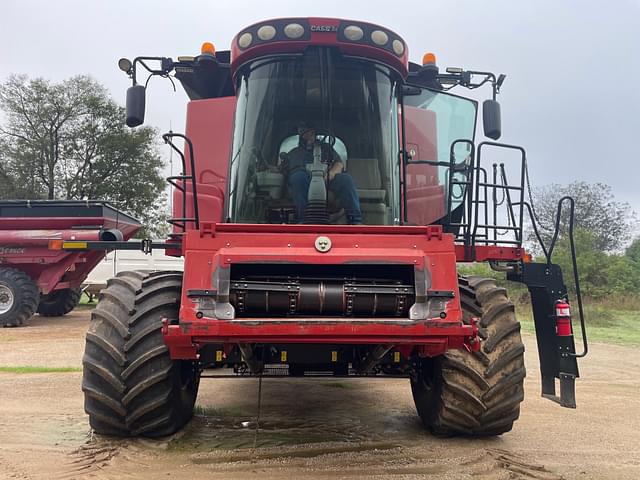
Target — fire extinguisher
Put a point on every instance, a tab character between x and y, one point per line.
563	319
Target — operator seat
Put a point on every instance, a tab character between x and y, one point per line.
373	196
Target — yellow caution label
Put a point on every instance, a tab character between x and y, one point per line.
283	356
334	356
74	245
218	355
396	357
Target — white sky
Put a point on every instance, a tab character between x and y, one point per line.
570	96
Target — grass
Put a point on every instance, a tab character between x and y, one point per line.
29	369
84	301
603	324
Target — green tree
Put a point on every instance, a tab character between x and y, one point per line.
67	140
633	251
601	274
609	221
623	275
592	263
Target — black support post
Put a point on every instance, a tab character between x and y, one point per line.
557	353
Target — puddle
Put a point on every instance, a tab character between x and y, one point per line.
208	432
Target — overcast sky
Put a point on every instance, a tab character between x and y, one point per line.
570	97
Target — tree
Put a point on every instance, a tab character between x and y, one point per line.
601	275
592	263
633	251
68	141
610	222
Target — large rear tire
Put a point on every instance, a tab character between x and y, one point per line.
479	393
59	302
131	385
19	297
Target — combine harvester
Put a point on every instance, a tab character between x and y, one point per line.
327	284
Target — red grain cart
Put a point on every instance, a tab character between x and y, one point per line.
37	278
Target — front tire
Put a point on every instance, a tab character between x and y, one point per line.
131	385
479	393
19	296
59	302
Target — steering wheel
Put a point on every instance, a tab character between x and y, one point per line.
330	139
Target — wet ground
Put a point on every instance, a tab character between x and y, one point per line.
310	427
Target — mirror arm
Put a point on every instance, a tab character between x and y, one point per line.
464	78
166	66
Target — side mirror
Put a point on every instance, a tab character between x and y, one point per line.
491	119
135	105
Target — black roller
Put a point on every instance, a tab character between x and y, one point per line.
325	298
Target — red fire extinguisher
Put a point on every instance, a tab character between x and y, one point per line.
563	319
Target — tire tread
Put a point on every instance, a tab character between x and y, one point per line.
26	294
131	385
478	393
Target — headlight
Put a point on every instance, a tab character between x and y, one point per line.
294	30
379	37
245	40
353	33
266	32
398	47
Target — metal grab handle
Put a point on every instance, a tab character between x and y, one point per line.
167	137
574	263
549	252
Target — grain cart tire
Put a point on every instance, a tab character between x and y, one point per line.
131	385
19	297
479	393
59	302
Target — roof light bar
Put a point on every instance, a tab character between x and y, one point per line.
365	34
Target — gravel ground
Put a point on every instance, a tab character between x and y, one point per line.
309	428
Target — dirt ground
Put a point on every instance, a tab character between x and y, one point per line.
310	428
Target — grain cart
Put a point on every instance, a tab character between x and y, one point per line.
322	290
36	278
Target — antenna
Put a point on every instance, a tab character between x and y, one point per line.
170	174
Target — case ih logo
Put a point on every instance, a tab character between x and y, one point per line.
324	28
11	250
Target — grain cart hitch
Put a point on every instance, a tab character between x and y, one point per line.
551	315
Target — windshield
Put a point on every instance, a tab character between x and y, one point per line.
351	106
434	122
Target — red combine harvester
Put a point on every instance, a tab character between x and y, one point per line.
329	188
35	277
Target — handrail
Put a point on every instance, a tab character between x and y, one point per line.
574	265
182	222
548	252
